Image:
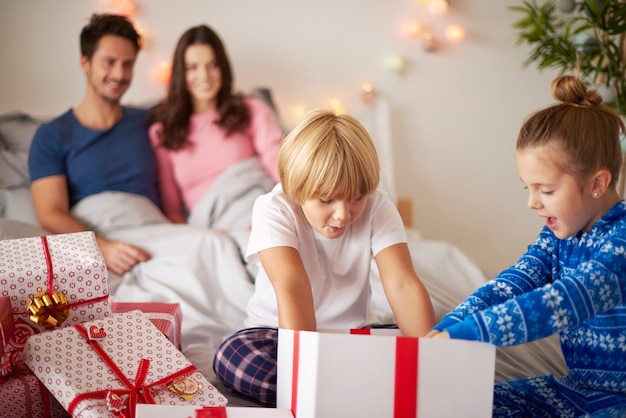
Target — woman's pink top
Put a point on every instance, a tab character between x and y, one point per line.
186	175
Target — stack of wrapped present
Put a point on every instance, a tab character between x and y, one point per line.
68	350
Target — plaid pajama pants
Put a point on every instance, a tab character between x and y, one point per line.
246	363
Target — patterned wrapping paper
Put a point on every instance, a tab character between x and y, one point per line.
126	360
6	322
22	395
6	331
167	317
44	269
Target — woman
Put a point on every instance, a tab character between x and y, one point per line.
203	128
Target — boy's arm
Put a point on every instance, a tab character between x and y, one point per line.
407	296
51	203
294	297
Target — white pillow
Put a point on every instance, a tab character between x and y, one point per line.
108	211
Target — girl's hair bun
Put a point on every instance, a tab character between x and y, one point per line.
571	90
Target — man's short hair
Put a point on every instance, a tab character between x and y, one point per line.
107	24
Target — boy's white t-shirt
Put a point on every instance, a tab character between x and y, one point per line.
338	269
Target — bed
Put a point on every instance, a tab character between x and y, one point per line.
202	268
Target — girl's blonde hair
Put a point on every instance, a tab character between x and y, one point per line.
584	129
328	156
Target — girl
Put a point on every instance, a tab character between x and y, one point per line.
315	235
572	279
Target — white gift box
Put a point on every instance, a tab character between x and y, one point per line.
55	280
338	374
161	411
104	367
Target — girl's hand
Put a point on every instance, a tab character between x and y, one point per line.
431	333
437	334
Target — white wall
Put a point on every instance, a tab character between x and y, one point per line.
455	113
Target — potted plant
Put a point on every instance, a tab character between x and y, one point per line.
588	36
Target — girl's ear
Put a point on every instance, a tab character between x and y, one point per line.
601	181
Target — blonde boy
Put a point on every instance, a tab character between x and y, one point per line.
314	236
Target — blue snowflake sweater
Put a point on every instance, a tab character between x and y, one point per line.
573	286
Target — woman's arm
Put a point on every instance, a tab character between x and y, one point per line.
294	297
407	296
267	135
168	189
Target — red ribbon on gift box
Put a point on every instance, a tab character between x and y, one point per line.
212	412
49	308
406	373
6	321
139	392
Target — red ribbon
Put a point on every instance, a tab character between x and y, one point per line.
294	372
405	385
7	324
405	378
46	252
211	412
139	392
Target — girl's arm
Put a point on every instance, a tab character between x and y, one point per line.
407	296
596	286
294	297
531	271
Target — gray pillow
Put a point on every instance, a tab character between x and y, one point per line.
17	130
16	204
12	229
13	168
16	134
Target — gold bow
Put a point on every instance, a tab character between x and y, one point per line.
47	310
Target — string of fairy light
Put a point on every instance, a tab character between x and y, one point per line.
430	30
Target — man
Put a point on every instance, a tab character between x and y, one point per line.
99	145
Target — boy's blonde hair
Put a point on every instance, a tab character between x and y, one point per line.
328	156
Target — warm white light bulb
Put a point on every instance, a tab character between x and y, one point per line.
337	107
413	29
455	33
163	73
438	7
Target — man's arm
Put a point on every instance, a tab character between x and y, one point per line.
51	203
